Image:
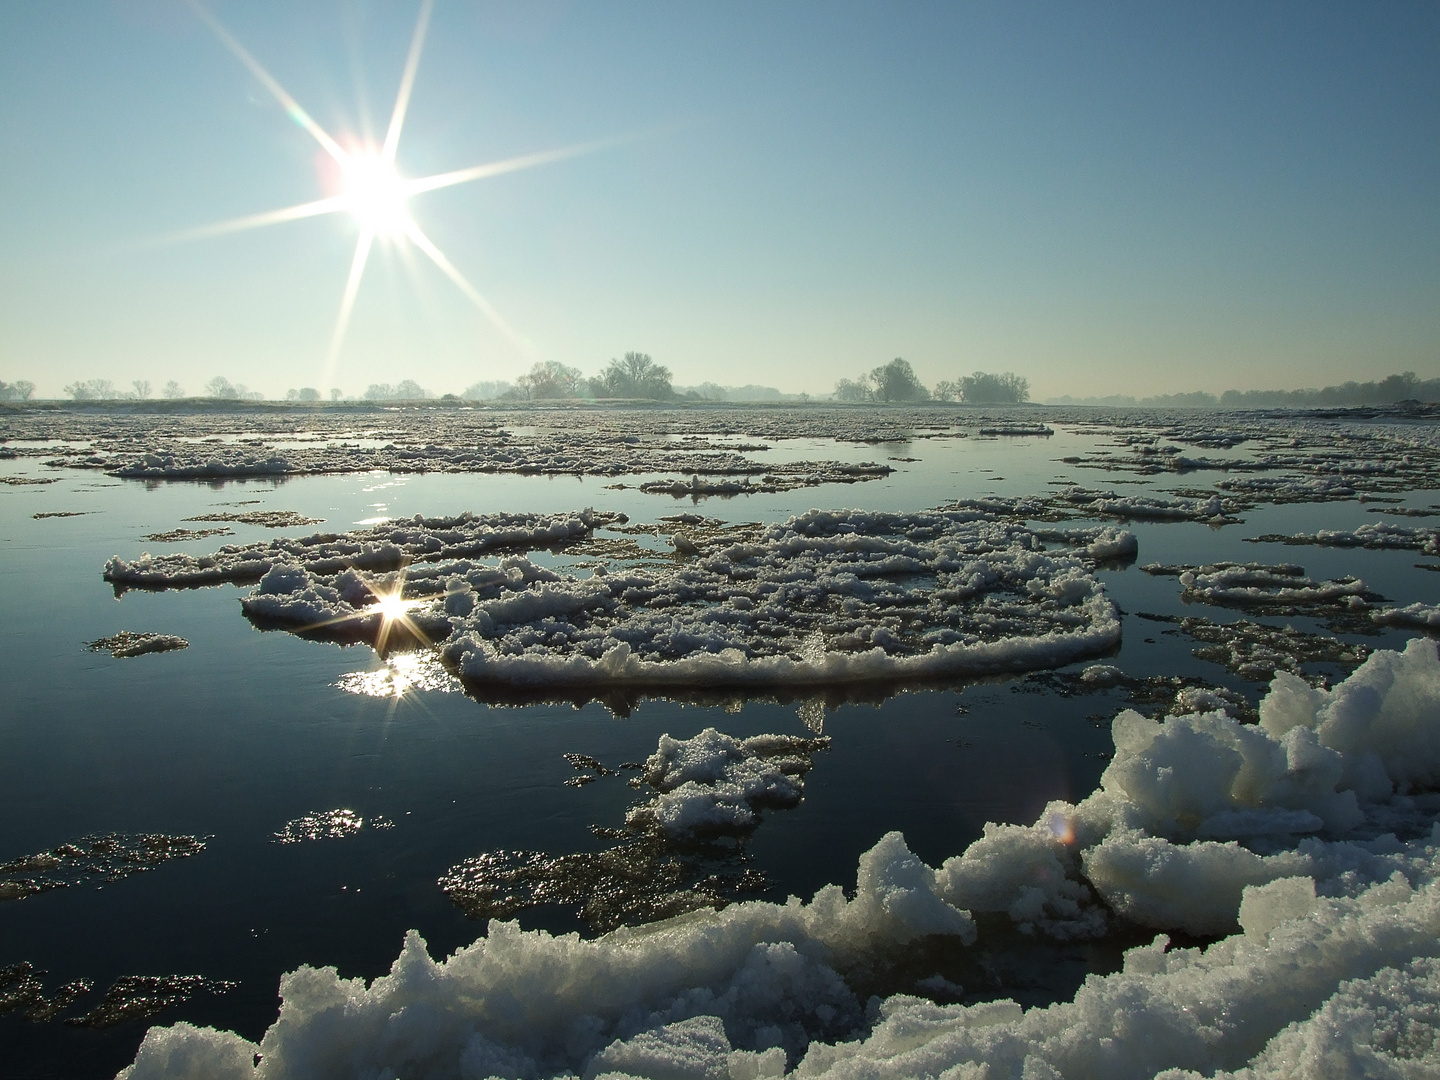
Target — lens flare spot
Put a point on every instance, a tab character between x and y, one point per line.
1061	827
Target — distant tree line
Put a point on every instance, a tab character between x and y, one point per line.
897	381
709	391
1387	391
105	390
633	376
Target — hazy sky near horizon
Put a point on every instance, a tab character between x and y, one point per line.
1107	198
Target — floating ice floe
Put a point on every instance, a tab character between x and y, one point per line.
822	599
1256	651
1328	967
1270	589
1417	614
93	858
1017	429
1379	534
270	519
716	783
320	825
387	546
1072	502
132	643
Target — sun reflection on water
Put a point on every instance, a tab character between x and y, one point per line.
400	674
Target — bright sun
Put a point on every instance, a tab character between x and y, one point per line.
370	188
376	195
392	605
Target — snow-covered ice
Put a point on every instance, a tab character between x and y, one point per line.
824	598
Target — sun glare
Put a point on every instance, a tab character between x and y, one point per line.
391	605
371	189
376	195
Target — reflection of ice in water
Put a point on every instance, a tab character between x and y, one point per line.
812	715
399	673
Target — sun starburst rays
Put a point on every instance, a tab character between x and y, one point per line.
388	616
373	192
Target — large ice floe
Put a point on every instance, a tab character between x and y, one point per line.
825	598
1301	855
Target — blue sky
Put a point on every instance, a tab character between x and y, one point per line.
1106	198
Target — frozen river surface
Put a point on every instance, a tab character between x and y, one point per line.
836	626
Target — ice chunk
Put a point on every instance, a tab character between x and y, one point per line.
1264	907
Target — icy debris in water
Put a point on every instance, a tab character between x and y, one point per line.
22	989
1257	651
665	860
133	643
1380	534
26	481
385	547
270	519
1017	429
1422	615
635	881
176	536
1154	693
320	825
1265	589
589	769
135	997
783	478
1102	545
1101	675
1215	509
61	514
1403	511
93	858
714	783
1078	502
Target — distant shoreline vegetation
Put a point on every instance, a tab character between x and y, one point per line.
1387	391
636	377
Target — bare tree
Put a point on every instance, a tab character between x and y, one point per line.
92	390
486	390
173	390
636	375
406	390
142	388
550	379
305	393
19	390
